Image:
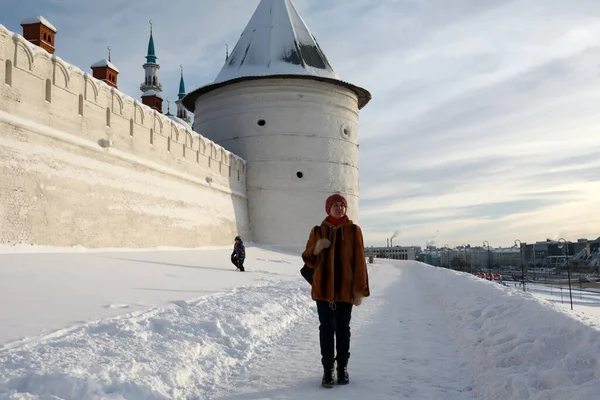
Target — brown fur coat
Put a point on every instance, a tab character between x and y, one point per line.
341	269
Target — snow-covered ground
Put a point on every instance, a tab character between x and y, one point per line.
586	302
168	323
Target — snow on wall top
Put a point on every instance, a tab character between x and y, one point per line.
178	120
105	63
31	48
276	41
37	20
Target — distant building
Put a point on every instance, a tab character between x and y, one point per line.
394	253
430	256
464	258
541	256
552	254
506	257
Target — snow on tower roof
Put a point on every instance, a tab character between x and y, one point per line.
276	44
105	63
276	41
37	20
152	92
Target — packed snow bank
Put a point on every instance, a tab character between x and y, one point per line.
163	353
518	346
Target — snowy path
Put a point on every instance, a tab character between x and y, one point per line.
207	332
253	342
401	348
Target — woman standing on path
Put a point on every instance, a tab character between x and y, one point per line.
335	251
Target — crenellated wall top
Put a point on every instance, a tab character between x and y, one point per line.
37	62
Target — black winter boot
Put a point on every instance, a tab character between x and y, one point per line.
328	371
342	371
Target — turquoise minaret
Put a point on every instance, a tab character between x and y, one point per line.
151	87
181	93
151	56
181	111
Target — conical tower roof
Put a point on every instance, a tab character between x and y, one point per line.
276	43
151	56
181	93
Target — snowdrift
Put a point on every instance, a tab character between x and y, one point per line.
517	346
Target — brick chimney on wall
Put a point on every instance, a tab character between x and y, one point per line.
106	71
40	32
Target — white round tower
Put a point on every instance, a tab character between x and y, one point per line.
278	104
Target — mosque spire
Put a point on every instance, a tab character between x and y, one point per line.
151	56
151	87
168	107
181	111
181	93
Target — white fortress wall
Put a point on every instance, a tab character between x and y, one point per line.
300	140
83	164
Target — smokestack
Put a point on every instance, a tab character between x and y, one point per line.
394	235
388	243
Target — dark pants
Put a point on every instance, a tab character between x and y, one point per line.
237	262
334	323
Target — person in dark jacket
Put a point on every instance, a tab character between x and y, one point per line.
239	254
336	253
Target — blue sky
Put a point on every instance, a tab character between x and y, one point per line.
485	119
